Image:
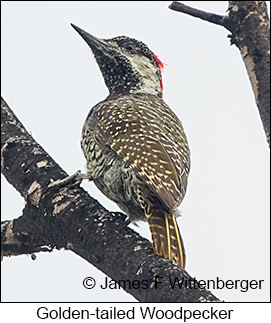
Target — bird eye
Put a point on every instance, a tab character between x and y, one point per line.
130	47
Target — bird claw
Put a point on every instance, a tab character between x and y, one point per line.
124	216
74	179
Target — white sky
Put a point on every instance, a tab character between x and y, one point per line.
51	80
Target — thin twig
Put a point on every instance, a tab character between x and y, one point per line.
207	16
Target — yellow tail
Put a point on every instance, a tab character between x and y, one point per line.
166	237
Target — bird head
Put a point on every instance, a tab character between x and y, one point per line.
127	65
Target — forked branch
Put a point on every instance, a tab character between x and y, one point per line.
67	217
249	25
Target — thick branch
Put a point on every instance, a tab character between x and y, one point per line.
250	29
67	217
15	243
249	26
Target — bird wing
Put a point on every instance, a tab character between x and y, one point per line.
147	150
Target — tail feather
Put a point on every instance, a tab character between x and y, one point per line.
166	237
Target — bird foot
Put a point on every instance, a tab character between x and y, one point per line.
74	179
124	216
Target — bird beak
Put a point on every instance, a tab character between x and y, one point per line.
93	42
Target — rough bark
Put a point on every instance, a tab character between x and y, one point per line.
67	217
249	26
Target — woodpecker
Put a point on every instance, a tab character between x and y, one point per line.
135	146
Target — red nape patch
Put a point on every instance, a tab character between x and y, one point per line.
161	66
158	61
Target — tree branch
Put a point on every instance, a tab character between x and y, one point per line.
250	31
67	217
207	16
15	243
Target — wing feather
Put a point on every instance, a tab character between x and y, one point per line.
144	144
